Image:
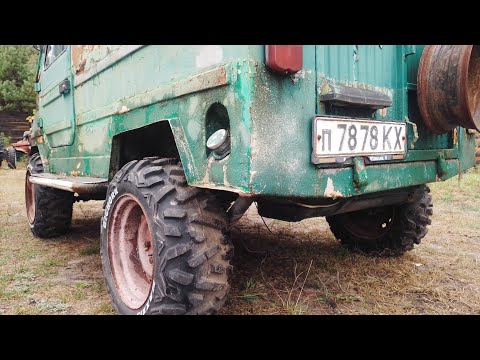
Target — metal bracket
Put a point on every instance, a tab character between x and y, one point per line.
238	208
415	133
441	165
360	178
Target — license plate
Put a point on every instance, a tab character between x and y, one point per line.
335	139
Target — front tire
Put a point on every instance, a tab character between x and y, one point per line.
49	211
385	231
162	244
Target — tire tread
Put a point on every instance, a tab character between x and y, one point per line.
189	238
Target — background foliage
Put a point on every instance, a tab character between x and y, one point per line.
17	76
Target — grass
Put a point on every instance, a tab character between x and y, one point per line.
90	250
252	291
297	268
441	276
58	276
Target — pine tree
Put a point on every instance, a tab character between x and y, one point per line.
17	76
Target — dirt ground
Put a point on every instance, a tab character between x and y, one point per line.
289	268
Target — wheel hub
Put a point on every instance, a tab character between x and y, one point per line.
130	251
370	224
30	198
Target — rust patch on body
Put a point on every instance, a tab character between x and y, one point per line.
330	190
79	58
80	54
222	76
455	137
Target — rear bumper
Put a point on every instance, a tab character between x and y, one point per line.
339	183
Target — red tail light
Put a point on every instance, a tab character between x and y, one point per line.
287	59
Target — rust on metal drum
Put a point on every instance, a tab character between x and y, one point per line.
449	87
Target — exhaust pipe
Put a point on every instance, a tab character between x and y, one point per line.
448	87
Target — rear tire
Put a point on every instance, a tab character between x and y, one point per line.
49	211
2	151
11	158
163	246
385	231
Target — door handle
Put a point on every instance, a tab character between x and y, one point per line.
64	86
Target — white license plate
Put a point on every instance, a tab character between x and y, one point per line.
337	138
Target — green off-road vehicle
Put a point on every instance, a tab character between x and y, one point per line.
180	140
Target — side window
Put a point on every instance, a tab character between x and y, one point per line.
53	51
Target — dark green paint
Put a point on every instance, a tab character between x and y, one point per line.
360	178
270	117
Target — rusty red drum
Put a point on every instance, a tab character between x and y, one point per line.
448	87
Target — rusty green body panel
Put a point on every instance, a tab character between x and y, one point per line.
116	89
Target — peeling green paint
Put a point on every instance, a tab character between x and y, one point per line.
270	116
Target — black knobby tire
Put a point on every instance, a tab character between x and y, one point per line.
53	207
2	151
387	231
11	158
190	251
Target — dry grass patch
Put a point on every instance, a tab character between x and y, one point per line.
57	276
297	268
441	276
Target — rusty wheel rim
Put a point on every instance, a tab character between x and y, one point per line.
130	249
448	87
472	85
30	198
